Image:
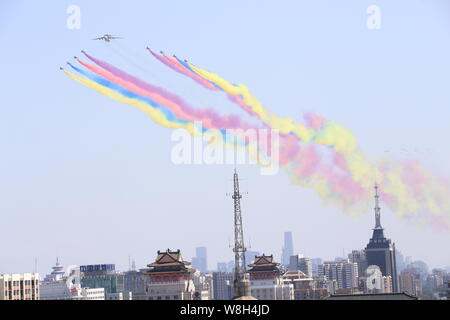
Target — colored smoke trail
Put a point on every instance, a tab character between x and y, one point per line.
358	172
170	114
209	118
329	133
104	78
345	178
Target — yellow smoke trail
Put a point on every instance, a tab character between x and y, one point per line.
214	137
156	115
433	195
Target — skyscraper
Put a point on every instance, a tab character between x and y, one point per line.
380	251
200	261
288	249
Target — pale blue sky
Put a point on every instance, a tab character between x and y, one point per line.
91	180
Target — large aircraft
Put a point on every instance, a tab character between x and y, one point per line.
107	38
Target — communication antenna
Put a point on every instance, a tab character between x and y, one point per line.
239	246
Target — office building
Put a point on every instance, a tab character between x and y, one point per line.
59	286
344	272
299	262
24	286
102	276
359	257
223	285
266	282
409	283
287	250
380	251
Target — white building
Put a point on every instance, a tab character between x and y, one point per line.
58	286
92	294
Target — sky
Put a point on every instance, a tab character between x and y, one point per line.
91	180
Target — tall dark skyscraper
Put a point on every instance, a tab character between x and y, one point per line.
380	251
288	249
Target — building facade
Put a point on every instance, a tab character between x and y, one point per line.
58	286
299	263
409	283
223	285
359	257
345	273
135	282
102	276
24	286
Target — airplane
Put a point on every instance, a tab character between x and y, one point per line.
107	38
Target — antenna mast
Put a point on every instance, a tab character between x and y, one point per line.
377	209
241	283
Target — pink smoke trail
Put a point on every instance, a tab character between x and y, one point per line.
176	104
176	66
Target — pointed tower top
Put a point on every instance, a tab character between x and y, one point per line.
241	283
377	209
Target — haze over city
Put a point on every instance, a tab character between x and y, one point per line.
91	180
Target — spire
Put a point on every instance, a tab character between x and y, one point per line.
377	209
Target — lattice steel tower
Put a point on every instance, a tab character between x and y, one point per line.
241	285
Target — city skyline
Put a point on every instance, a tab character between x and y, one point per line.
88	180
